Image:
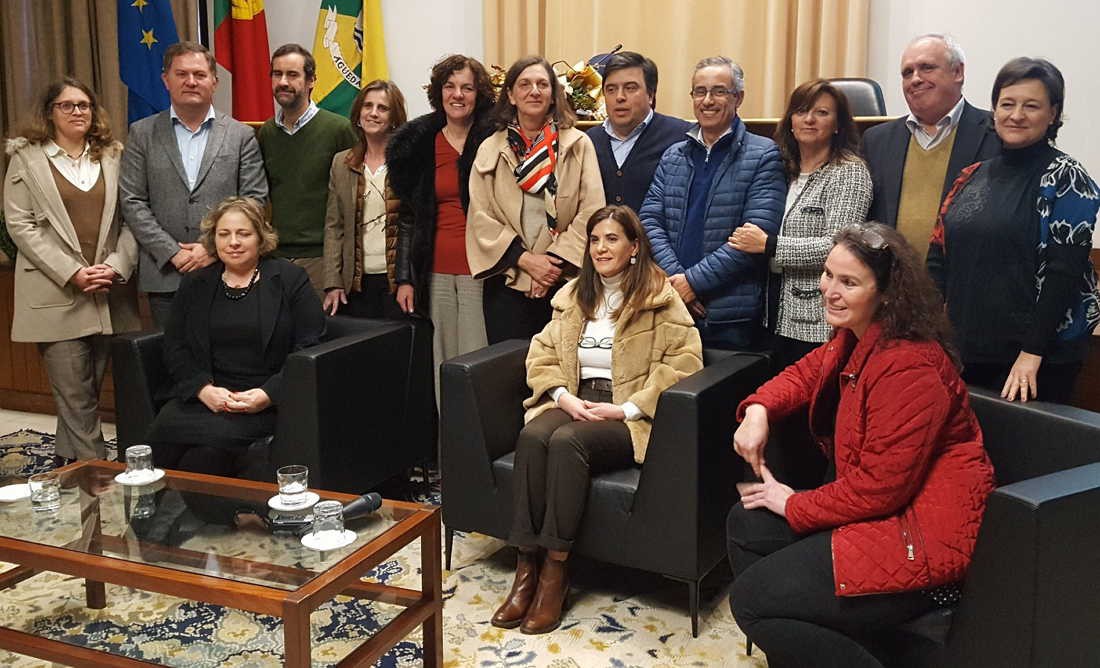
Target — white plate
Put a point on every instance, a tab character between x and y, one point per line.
276	503
131	480
324	545
9	493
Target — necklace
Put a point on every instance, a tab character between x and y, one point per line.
236	294
456	142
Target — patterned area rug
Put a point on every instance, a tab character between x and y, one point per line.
617	618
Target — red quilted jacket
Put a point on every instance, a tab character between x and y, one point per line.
912	475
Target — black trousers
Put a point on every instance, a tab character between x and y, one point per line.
1056	381
374	301
509	314
160	307
556	458
783	596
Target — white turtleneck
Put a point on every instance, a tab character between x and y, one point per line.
596	362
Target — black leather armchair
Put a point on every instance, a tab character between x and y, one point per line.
359	407
1030	595
667	516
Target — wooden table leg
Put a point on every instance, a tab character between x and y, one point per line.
431	584
95	594
296	637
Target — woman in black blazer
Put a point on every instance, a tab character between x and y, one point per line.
231	328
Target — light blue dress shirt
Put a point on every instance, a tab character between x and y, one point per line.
192	144
306	116
621	148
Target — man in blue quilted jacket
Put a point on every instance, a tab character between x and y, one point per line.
720	177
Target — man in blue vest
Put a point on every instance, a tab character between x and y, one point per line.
717	179
634	136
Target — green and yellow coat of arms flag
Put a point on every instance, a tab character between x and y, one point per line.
350	51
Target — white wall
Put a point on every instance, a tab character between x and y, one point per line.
418	33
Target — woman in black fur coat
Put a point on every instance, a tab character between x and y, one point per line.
429	163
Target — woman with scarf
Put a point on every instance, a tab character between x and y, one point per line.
535	182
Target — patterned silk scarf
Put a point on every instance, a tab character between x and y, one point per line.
537	160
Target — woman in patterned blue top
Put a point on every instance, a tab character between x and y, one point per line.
1010	251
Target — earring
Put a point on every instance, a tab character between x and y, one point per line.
633	259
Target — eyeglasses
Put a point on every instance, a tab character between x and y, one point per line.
592	342
718	92
869	237
70	107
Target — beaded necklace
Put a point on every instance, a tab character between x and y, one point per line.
236	294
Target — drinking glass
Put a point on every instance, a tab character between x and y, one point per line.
293	483
45	491
139	462
328	522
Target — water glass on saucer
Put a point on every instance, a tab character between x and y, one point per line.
139	462
293	483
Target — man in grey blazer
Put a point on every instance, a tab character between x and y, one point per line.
177	165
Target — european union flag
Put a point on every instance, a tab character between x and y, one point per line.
145	29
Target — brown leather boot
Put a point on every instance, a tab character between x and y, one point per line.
512	611
544	615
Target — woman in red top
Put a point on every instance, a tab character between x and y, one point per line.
892	531
430	160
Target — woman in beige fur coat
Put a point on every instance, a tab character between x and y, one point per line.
618	337
75	255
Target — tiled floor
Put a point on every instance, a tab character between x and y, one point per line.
15	420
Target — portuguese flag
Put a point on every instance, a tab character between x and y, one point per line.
240	45
350	51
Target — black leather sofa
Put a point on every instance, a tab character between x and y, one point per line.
359	407
1030	599
1031	595
666	516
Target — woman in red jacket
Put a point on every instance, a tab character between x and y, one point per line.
892	531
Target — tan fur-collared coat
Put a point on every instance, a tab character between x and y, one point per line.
656	349
48	307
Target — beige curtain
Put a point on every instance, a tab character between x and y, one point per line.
41	40
779	43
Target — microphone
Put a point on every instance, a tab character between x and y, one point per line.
364	505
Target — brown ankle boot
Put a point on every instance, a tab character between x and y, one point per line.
511	612
544	615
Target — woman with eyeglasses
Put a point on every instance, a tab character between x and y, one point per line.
1010	251
75	254
619	336
535	181
890	533
828	187
429	161
361	218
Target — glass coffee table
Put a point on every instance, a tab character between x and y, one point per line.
109	533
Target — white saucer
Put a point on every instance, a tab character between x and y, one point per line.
9	493
324	545
276	503
130	480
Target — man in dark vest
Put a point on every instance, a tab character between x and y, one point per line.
634	136
915	159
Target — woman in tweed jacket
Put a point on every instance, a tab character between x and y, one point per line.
829	187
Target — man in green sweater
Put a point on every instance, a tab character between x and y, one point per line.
298	145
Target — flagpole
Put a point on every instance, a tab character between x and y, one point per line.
204	23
